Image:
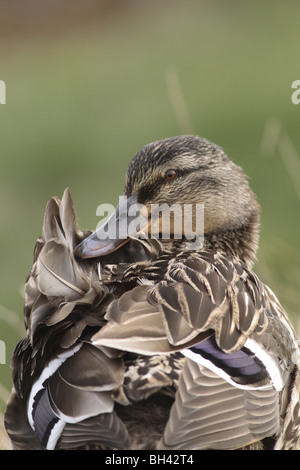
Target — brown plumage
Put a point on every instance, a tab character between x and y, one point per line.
155	343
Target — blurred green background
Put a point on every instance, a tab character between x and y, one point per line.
89	83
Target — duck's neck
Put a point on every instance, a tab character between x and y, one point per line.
241	242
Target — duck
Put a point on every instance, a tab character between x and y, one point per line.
152	338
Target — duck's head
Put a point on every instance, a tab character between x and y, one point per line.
184	172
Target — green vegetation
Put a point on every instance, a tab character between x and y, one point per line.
81	101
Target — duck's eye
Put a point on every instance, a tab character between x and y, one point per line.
170	175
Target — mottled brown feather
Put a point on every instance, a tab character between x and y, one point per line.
126	384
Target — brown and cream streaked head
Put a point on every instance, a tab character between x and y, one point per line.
191	170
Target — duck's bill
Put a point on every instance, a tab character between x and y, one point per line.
122	225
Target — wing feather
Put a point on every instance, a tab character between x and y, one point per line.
209	413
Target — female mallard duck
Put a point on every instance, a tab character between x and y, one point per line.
156	343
